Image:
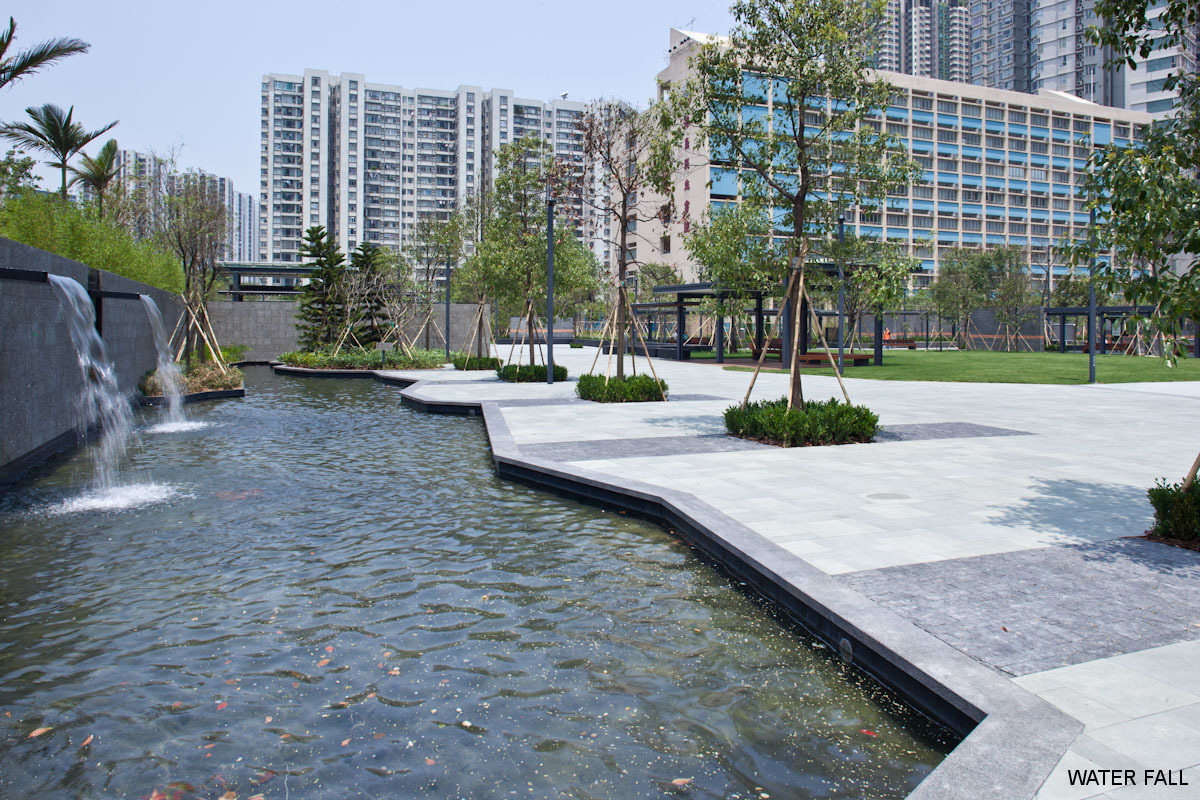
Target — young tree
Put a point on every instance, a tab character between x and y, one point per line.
192	218
807	153
98	173
27	62
876	277
509	262
433	250
16	173
53	131
958	290
321	313
630	155
1009	291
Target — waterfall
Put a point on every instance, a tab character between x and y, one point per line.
169	379
100	403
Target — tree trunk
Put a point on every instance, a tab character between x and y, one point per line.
795	309
621	323
64	179
1191	476
532	345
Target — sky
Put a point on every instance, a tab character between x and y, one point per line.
185	77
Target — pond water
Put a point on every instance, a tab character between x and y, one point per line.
339	598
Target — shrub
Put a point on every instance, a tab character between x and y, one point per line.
1176	511
204	376
631	389
364	359
576	345
46	222
466	361
524	373
828	422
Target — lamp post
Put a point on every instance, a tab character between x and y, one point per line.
841	293
549	290
1092	301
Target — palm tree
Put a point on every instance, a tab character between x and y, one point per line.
99	172
27	62
53	132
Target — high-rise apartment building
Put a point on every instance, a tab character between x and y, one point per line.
929	38
1000	44
156	174
368	160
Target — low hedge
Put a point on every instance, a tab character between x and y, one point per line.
465	361
817	423
365	359
630	389
524	373
1176	511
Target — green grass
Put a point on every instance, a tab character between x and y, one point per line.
988	367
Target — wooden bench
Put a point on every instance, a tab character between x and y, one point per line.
822	360
911	344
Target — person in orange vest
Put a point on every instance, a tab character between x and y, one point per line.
887	334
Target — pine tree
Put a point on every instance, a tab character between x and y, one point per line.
322	310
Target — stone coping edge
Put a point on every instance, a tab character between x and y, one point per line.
1012	738
196	397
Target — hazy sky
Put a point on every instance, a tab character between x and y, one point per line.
186	75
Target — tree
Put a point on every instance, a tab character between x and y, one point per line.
1009	291
810	153
16	173
434	249
958	290
192	218
98	173
365	284
55	132
27	62
1152	219
509	262
629	155
876	277
322	308
651	274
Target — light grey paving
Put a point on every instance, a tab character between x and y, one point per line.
940	430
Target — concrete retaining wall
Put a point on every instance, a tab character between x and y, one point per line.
268	328
39	372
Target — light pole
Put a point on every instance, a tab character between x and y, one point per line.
550	290
841	293
1092	300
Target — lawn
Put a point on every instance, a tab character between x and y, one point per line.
989	367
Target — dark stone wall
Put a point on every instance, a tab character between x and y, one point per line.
40	381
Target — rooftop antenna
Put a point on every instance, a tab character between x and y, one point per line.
690	24
564	95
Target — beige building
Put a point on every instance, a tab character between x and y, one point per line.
999	168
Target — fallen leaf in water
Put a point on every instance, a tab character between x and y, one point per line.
268	719
322	662
177	704
377	736
345	742
443	681
387	653
429	762
681	781
231	681
393	671
868	733
328	648
1004	629
230	795
229	661
87	741
255	797
295	684
370	695
209	746
221	705
39	732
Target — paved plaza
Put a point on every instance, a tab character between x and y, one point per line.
998	518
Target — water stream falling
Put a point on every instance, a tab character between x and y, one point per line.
101	408
168	374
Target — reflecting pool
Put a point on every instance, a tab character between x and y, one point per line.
330	595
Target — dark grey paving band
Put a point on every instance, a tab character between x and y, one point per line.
1020	612
638	448
940	430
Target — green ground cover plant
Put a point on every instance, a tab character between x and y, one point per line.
815	423
994	367
630	389
473	362
364	359
524	373
1176	511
